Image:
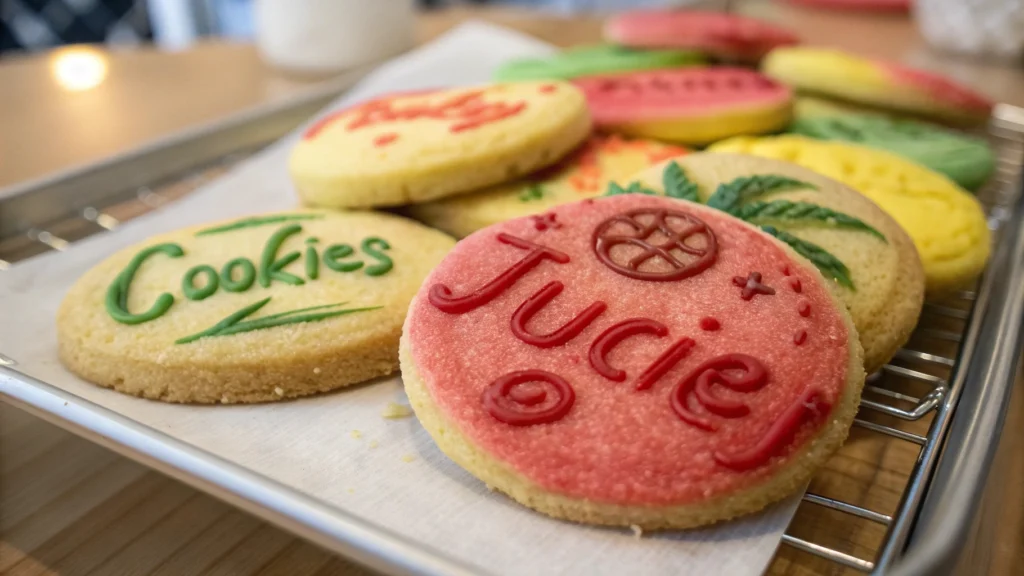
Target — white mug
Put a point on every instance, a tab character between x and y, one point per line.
324	36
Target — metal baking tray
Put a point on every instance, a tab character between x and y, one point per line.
945	394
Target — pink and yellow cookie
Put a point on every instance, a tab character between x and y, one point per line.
585	173
690	106
632	360
414	147
845	76
729	36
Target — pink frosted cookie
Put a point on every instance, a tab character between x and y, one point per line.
727	36
632	360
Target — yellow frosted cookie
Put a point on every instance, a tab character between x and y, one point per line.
584	174
414	147
945	222
870	260
250	310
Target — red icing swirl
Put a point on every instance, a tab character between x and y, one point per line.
567	332
614	335
506	403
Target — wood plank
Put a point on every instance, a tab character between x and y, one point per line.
256	552
213	543
299	559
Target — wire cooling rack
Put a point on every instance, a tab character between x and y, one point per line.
872	491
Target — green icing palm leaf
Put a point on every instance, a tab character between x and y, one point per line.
677	184
634	188
788	212
729	196
829	265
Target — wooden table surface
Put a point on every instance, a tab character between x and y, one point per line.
69	507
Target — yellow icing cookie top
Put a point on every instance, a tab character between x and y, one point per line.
418	146
946	223
583	174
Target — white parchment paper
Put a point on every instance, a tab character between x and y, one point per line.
392	475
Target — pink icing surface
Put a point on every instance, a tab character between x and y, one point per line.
617	444
726	34
939	87
669	94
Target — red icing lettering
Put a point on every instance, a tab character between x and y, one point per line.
570	330
611	338
543	222
668	359
642	224
385	139
507	404
800	337
699	382
709	324
794	283
547	88
809	406
804	309
752	285
441	296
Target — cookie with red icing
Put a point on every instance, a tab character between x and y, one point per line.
585	173
413	147
632	360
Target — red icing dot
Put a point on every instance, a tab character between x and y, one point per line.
548	88
588	201
709	324
804	308
800	337
794	283
385	139
543	222
785	270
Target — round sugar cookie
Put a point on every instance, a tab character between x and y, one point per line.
728	36
414	147
632	360
591	60
946	223
690	105
883	283
967	161
583	174
845	76
249	310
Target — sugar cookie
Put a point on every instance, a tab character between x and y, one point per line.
945	222
583	174
729	36
408	148
689	106
592	60
250	310
632	360
838	74
880	278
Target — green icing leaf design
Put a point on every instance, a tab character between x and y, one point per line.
828	264
677	184
729	196
258	221
234	324
794	212
614	189
533	192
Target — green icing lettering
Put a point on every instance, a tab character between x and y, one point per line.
372	247
117	294
312	263
244	282
334	253
271	267
235	323
258	221
188	285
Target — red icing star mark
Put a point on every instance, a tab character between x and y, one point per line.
547	88
709	324
804	309
794	283
385	139
543	222
664	236
800	337
752	285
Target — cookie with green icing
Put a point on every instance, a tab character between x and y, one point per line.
594	60
967	161
253	309
871	261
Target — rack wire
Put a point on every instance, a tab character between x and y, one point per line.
903	414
